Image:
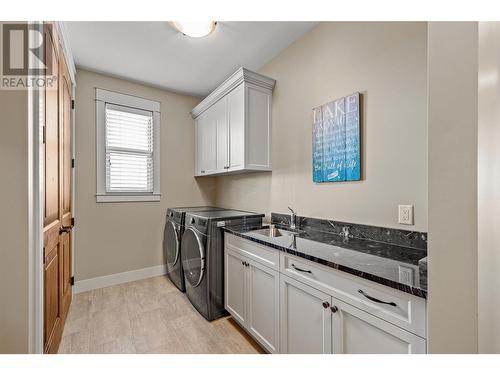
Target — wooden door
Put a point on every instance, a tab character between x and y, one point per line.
235	295
357	332
57	197
66	156
263	305
305	318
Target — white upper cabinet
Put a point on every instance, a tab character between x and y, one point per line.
236	122
206	143
236	116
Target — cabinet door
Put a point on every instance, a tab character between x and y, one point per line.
235	284
263	305
207	142
197	147
358	332
220	118
258	104
305	319
236	121
200	130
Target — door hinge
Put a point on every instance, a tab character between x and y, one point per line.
72	280
72	221
73	163
72	103
43	134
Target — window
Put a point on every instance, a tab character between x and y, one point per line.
127	148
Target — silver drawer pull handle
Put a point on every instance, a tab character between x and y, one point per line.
375	299
300	269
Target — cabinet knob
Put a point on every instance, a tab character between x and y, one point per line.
326	305
334	309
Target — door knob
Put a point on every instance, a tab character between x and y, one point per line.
326	305
65	229
334	309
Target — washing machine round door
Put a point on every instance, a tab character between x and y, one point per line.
171	244
193	257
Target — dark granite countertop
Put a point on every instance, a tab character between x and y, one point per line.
372	260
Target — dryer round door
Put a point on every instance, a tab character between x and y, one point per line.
171	244
193	257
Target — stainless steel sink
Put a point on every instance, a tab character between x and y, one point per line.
273	232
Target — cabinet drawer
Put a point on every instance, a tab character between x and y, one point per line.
409	312
262	254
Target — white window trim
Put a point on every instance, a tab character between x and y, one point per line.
101	98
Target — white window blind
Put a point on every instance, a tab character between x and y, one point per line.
129	150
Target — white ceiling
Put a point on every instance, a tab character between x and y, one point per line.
157	54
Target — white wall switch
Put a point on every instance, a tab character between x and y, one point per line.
405	214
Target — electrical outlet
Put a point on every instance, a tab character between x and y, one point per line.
405	275
405	214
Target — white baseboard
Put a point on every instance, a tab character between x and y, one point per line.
118	278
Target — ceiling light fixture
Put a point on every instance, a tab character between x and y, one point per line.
195	29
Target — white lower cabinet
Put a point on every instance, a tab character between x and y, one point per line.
253	299
235	284
263	305
305	318
355	331
290	314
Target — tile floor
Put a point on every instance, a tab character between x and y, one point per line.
147	316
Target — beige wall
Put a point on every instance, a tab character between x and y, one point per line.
387	63
118	237
488	184
452	250
14	221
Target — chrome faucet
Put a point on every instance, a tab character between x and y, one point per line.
293	219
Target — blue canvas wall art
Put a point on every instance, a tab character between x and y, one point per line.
317	145
336	141
352	137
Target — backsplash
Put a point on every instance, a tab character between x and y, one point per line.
413	239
